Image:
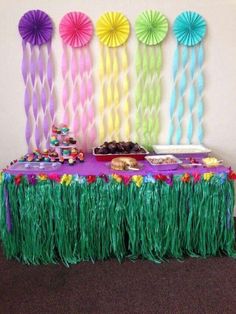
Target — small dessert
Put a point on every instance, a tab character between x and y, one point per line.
161	161
211	162
64	129
66	152
72	140
123	163
71	161
61	160
81	156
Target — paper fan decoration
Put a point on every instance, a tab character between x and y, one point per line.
151	28
35	28
189	28
188	81
113	29
76	31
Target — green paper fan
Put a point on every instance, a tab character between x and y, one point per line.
151	27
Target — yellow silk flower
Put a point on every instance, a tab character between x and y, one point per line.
66	179
117	178
113	29
42	177
138	180
207	176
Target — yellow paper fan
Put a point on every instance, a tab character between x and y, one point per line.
113	29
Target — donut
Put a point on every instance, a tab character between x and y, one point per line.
122	163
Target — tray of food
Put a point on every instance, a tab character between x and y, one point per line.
211	162
164	162
182	151
35	166
125	164
109	150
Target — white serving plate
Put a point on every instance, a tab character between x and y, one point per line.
164	166
196	150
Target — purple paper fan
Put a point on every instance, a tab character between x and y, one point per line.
36	27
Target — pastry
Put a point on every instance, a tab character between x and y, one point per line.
122	163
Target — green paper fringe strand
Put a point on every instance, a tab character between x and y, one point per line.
88	222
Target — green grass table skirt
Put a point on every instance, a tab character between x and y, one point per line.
53	222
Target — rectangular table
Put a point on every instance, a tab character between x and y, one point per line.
89	212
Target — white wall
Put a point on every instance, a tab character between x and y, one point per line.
219	67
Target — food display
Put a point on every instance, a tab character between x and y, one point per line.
211	162
123	163
109	150
164	162
182	150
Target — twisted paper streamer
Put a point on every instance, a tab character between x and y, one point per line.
66	84
189	29
115	70
75	91
182	88
35	28
174	95
138	92
109	94
125	88
101	104
200	87
192	94
91	135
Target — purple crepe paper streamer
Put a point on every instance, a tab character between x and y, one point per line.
41	64
37	136
32	65
27	101
44	98
46	126
8	210
24	65
28	133
35	105
52	106
49	71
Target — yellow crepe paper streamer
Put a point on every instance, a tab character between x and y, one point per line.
113	29
115	70
126	108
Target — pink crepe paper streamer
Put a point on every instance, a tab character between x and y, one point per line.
81	63
64	63
75	101
74	65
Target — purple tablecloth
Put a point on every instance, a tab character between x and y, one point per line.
93	167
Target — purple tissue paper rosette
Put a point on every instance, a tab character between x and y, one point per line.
35	27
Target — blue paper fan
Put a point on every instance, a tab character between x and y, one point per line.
189	28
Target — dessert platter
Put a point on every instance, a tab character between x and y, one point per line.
164	162
197	151
109	150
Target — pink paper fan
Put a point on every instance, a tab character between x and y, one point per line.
76	29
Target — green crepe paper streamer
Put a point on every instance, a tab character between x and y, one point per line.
86	222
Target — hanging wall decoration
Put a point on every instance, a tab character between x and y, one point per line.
36	30
151	28
76	31
113	30
186	100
